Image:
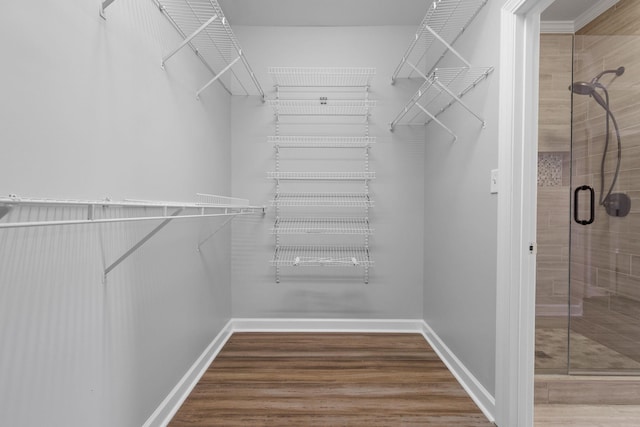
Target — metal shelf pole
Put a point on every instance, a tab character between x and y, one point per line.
457	98
455	137
188	39
224	70
447	45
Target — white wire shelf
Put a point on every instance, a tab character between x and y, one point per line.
443	88
339	226
321	141
106	210
321	256
321	176
321	76
321	200
207	31
443	23
321	107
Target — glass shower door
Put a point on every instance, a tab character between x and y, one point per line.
604	331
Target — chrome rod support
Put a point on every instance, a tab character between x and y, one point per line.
449	131
224	70
140	243
447	45
188	39
457	98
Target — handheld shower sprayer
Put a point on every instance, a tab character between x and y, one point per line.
616	204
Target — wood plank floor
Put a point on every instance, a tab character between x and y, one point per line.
586	416
328	379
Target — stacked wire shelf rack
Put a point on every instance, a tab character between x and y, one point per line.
443	24
314	227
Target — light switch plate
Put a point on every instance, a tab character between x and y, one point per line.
494	181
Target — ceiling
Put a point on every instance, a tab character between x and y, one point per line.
371	12
567	10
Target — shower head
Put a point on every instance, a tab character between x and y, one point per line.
618	72
589	88
582	88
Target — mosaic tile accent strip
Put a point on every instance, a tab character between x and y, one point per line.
549	169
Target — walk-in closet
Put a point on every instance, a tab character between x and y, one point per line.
274	212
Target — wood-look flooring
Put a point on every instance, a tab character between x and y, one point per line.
328	379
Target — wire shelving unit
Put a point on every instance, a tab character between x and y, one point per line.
207	32
322	176
443	88
279	142
440	28
322	107
24	212
326	95
322	225
321	256
322	200
314	77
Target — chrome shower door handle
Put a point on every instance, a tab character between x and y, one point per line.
592	198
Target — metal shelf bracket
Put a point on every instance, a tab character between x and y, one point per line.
103	6
140	243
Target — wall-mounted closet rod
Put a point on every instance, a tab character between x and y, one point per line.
213	80
105	4
188	39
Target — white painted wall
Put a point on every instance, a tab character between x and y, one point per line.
395	288
460	213
87	112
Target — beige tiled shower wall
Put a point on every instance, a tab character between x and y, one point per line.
613	263
554	144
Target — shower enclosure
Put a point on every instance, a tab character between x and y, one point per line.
588	288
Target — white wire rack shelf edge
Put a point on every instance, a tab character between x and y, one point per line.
321	256
322	225
284	77
320	141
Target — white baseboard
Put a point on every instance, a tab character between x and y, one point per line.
170	405
328	325
485	401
